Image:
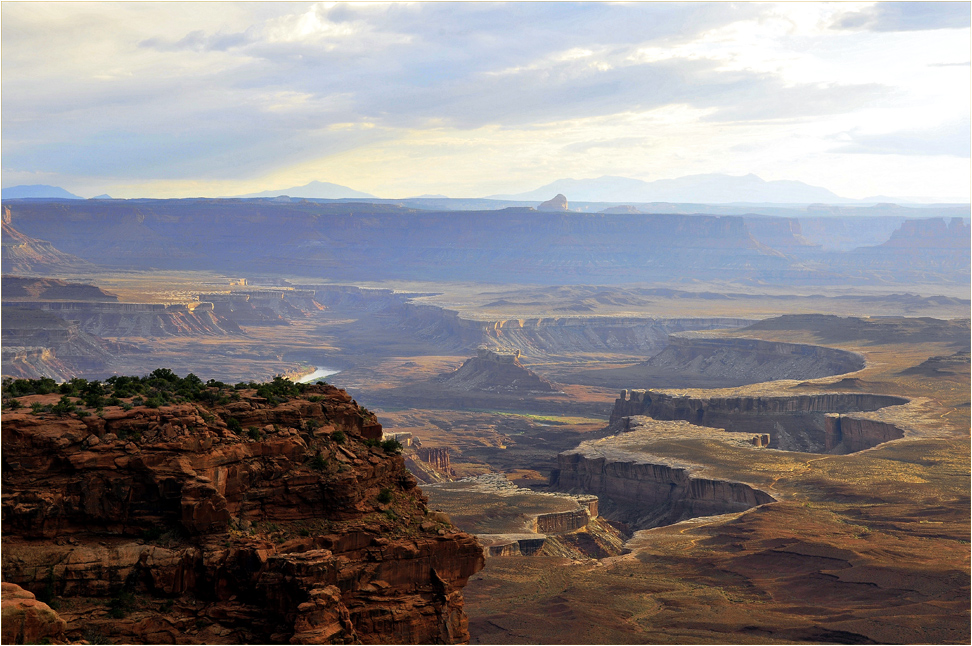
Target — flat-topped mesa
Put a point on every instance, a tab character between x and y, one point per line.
228	515
814	423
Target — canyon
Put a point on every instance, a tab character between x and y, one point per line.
787	461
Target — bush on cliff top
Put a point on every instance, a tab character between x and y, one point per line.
162	386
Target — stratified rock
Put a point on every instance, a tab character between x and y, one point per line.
557	203
492	371
193	533
23	254
26	620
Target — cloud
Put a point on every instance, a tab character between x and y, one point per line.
908	16
231	91
951	139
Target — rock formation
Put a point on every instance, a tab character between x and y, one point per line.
494	372
807	423
23	254
556	203
18	287
437	458
39	344
27	620
644	490
698	362
260	517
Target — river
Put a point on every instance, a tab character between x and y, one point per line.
320	373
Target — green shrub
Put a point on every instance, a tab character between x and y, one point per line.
255	433
234	425
318	462
121	604
339	437
385	496
391	445
63	407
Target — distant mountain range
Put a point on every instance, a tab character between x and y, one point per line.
709	189
316	190
37	190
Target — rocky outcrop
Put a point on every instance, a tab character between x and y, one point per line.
27	620
646	492
844	434
238	522
40	344
19	287
494	372
23	254
554	335
140	320
437	458
556	203
793	422
264	306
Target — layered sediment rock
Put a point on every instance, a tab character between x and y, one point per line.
196	533
851	434
40	344
699	362
645	491
494	372
793	422
144	320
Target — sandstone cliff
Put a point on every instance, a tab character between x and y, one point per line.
810	423
228	515
645	490
23	254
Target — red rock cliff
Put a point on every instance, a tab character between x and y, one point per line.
164	525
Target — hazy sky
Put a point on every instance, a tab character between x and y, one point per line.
472	99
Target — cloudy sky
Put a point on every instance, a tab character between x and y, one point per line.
472	99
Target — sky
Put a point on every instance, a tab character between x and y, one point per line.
471	99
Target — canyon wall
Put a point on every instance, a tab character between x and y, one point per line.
793	422
645	494
690	361
199	533
845	434
553	335
143	320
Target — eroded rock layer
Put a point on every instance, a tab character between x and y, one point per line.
245	521
645	491
793	422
